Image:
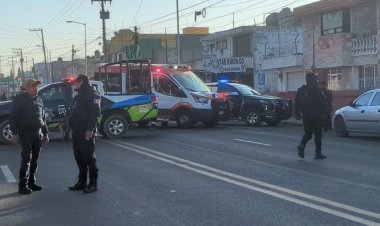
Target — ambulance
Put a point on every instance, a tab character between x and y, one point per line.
182	95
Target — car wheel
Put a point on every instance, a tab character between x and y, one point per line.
184	119
273	123
252	117
6	134
115	126
340	127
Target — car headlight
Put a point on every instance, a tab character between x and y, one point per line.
265	104
200	99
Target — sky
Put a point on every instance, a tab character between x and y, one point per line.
17	18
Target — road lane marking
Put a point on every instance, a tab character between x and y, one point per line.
8	174
253	142
188	165
276	166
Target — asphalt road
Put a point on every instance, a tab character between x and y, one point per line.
227	175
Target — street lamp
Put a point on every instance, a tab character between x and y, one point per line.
85	40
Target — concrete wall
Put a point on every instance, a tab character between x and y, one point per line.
363	19
272	43
335	50
191	48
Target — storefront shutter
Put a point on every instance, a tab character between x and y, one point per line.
295	80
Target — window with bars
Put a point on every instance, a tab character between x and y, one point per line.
335	78
221	44
368	77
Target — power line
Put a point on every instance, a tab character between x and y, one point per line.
134	18
154	20
223	26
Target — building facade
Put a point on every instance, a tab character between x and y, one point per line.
227	55
342	42
159	48
278	58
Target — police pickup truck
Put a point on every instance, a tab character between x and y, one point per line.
118	111
246	103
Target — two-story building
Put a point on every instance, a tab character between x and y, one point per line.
340	37
227	55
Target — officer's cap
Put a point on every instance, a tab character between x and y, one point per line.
31	82
82	78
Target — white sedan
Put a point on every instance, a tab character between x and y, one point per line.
362	115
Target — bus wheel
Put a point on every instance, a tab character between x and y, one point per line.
183	119
115	126
5	132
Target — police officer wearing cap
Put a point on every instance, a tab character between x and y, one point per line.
83	115
27	122
311	105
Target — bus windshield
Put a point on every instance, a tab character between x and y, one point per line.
191	82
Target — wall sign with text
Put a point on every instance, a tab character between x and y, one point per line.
222	65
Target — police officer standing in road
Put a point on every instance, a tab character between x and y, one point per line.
311	105
327	125
27	121
84	112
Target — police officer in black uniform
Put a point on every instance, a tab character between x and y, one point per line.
27	121
311	105
327	125
84	112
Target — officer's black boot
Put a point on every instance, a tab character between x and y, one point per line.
301	151
35	187
23	188
81	183
32	183
92	187
320	156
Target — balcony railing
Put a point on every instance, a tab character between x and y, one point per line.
364	46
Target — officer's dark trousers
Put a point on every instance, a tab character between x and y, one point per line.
327	123
84	153
31	141
313	125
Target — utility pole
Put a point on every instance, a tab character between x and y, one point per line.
85	42
13	69
43	47
178	47
233	20
72	59
136	38
34	69
166	47
104	15
12	75
18	51
313	67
